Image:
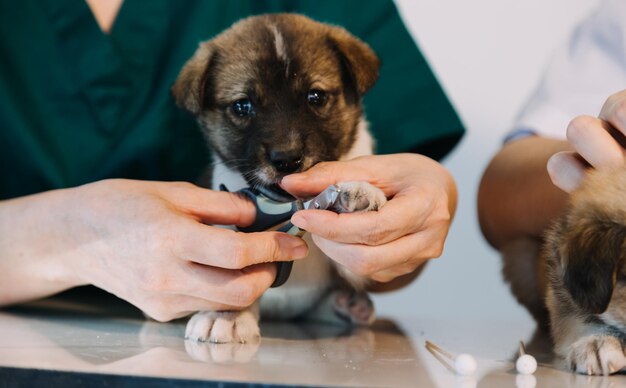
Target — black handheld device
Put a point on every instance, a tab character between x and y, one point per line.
271	214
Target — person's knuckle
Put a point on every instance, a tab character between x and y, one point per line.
162	243
273	248
436	244
363	265
181	186
379	232
442	216
245	295
433	247
157	280
382	277
239	253
160	311
324	166
268	247
608	105
615	99
331	234
619	110
159	316
239	206
436	249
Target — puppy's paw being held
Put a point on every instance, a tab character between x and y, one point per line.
223	327
597	355
358	196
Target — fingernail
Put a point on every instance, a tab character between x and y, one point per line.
299	220
564	172
292	178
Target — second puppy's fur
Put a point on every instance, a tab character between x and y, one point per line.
274	95
586	289
581	273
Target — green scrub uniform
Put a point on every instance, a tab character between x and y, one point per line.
77	105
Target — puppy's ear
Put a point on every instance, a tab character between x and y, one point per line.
190	86
592	253
358	60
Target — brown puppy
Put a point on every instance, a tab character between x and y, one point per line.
274	95
586	288
581	272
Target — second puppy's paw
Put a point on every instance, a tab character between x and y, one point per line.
223	327
358	196
596	355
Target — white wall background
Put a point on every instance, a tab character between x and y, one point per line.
489	55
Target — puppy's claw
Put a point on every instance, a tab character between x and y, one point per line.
611	368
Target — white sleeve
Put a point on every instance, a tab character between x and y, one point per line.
580	76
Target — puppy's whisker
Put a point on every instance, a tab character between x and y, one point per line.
250	176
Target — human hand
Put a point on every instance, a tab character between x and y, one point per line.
395	240
598	142
149	243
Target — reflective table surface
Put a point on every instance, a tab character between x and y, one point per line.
65	341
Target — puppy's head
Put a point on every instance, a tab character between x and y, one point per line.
276	94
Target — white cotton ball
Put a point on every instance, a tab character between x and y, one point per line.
465	364
526	364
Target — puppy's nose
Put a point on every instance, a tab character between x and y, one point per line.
285	162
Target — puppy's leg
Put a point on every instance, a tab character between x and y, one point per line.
359	196
524	268
350	305
344	307
225	326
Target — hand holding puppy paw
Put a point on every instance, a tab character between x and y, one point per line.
598	142
398	238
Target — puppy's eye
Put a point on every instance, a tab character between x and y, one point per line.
242	107
317	97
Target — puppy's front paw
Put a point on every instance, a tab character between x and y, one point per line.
358	196
596	355
223	327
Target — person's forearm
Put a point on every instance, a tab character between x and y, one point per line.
516	197
33	260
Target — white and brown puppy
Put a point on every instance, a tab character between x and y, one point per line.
276	94
585	285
